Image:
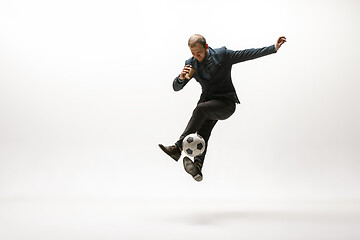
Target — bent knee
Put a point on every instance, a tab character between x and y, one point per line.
200	109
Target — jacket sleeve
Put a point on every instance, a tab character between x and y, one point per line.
249	54
178	84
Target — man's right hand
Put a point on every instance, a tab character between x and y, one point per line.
184	72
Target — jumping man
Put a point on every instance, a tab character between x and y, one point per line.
218	97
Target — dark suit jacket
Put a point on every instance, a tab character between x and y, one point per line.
214	73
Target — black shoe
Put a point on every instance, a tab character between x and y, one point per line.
172	151
192	169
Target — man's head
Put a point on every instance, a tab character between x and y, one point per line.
198	46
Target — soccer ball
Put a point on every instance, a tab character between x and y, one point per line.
193	145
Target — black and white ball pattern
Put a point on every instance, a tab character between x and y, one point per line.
193	145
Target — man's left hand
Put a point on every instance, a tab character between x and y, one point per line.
280	42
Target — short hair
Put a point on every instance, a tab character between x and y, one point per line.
197	38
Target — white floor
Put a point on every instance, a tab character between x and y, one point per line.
141	218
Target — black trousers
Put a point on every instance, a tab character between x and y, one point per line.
204	118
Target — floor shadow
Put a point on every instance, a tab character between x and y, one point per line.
218	217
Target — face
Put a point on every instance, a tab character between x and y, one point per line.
199	51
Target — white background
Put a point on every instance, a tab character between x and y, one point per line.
86	95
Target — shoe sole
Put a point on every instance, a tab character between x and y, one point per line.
191	169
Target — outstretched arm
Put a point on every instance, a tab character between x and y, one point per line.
253	53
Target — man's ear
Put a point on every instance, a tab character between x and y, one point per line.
206	46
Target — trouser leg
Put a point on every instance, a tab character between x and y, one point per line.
212	110
205	132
